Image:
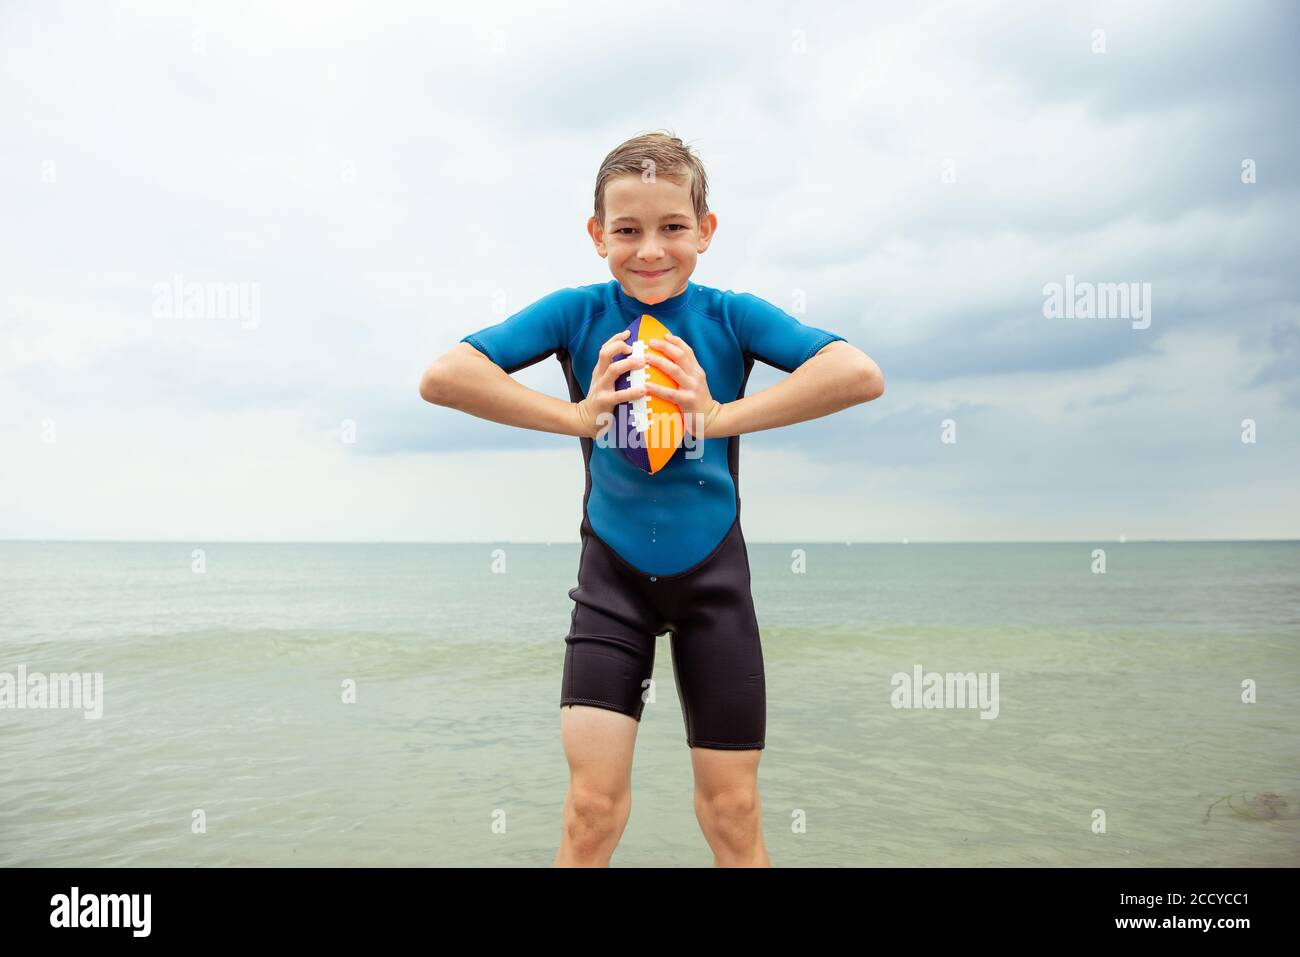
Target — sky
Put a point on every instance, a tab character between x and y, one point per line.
378	180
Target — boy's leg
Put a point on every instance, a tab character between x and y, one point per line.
728	806
598	743
718	666
608	661
719	673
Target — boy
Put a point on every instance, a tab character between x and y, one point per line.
662	553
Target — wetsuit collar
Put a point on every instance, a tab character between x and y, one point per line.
666	308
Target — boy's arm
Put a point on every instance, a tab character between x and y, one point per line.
464	378
475	375
839	375
826	373
836	377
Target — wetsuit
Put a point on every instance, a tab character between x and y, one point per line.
663	553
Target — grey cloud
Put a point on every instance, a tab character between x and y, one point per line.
473	173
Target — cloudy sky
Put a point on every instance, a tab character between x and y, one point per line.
381	179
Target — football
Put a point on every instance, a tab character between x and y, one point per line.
648	430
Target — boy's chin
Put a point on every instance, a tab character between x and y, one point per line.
652	291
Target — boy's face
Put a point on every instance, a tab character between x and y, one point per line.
650	235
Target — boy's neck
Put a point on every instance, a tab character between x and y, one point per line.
670	305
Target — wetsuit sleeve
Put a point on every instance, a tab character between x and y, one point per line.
780	340
530	335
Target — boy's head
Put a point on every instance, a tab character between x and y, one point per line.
652	215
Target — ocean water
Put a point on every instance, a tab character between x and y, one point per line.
1119	699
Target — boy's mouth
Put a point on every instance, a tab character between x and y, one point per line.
653	275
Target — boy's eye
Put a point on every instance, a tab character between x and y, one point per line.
630	229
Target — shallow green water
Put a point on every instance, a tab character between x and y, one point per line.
222	693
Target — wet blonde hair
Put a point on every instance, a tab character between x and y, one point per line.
663	153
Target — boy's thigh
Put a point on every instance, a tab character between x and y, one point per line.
607	666
717	653
599	745
718	669
722	772
608	661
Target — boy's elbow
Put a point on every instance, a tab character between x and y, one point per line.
444	380
873	383
432	384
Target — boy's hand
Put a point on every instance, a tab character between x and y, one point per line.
602	396
699	408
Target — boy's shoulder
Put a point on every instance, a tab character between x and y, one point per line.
729	301
578	302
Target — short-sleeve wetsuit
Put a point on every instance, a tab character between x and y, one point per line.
663	552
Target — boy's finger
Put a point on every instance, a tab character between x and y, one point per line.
672	346
613	342
627	395
613	348
626	364
670	368
666	392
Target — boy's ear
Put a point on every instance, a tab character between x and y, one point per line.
708	226
597	233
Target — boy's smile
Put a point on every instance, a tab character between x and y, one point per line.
653	238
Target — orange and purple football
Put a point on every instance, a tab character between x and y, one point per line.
651	427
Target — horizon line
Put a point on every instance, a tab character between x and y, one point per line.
507	541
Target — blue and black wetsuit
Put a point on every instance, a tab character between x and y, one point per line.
663	552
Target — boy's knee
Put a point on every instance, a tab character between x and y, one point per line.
738	805
594	815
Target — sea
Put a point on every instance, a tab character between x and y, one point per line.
1130	704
